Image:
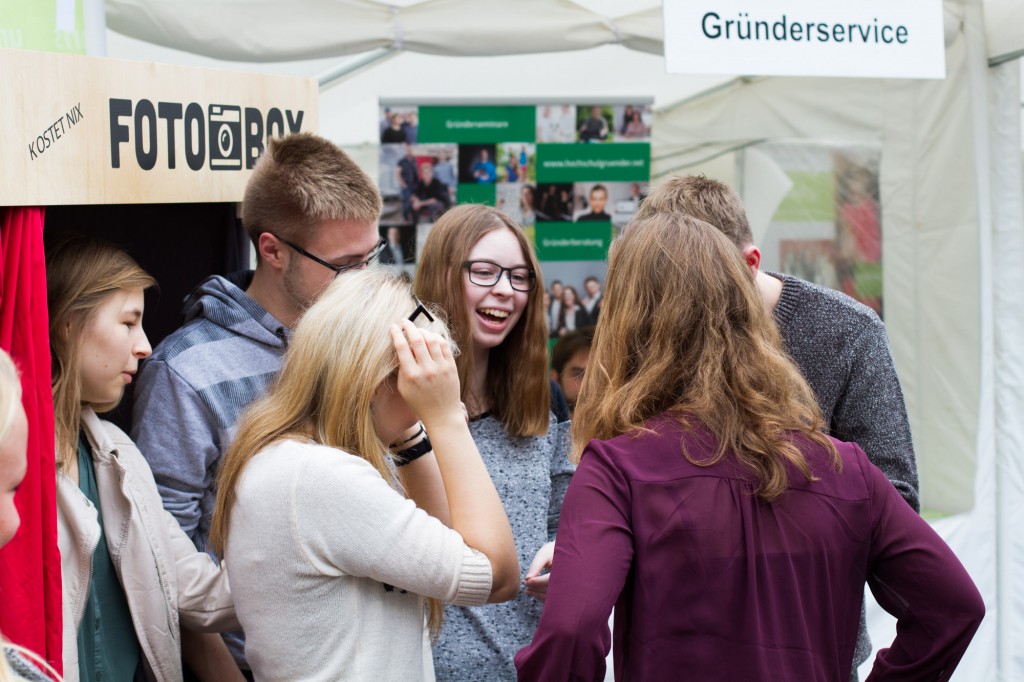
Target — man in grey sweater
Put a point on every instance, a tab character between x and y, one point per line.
311	214
839	344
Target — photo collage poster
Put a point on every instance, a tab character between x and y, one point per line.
570	174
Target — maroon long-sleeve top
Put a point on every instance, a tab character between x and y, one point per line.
710	583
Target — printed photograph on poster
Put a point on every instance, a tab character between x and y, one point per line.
556	123
517	162
554	202
595	123
572	294
632	122
610	202
399	125
811	259
518	201
477	164
400	251
417	182
858	230
624	209
422	230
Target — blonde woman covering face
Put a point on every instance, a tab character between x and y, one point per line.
353	501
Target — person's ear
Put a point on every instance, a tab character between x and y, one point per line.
554	376
752	256
270	250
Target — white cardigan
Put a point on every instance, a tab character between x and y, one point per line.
328	563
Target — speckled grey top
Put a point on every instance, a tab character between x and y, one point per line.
842	350
531	475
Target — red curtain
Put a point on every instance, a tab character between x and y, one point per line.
30	607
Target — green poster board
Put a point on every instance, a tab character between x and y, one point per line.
594	162
572	242
476	124
571	174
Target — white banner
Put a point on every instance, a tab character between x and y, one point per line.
867	38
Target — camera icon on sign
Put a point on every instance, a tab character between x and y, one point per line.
225	137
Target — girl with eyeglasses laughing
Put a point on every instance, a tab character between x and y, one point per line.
477	266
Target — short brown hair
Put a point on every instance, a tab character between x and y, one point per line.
302	180
517	379
568	345
703	198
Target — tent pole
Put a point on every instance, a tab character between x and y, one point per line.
728	85
330	78
711	157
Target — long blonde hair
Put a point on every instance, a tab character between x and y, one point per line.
517	379
684	329
81	272
339	354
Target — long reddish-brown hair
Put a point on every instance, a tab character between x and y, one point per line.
684	329
517	380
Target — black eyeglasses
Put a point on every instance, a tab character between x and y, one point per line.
338	269
420	310
484	273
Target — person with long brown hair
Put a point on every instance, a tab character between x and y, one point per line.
336	545
731	535
129	574
477	266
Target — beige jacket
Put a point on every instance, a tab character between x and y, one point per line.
164	577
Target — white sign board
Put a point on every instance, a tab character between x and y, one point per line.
866	38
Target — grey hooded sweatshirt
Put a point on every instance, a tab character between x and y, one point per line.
192	390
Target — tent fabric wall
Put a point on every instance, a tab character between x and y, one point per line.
1007	177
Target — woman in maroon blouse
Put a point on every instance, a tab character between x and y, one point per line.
732	537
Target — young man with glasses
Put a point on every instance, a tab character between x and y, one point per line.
311	214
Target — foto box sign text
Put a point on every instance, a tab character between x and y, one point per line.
90	130
867	38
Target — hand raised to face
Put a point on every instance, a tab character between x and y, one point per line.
428	379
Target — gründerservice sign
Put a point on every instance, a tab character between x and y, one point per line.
867	38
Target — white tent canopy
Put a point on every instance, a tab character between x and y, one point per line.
951	189
270	31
